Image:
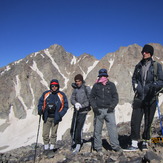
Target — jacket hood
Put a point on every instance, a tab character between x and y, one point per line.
54	82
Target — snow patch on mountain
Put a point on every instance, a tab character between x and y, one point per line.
36	54
33	97
157	57
131	73
6	69
160	99
90	68
87	125
74	60
84	74
57	67
116	83
123	112
17	62
35	68
20	132
18	90
111	61
67	71
65	123
42	55
84	57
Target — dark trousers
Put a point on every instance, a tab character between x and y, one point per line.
77	126
139	109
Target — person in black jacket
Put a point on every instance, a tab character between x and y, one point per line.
145	87
53	105
103	99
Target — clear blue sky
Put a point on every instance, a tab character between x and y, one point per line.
96	27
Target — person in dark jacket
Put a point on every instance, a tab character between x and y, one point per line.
53	105
144	103
103	99
80	101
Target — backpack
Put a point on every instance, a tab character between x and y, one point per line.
155	64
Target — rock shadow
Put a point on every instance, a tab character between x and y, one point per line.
124	141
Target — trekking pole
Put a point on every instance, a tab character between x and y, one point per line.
37	138
159	114
74	127
160	91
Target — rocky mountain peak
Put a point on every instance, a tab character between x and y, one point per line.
22	82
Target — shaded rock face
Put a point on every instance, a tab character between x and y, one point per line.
22	82
63	152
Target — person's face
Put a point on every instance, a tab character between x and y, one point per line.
54	88
78	82
103	76
146	55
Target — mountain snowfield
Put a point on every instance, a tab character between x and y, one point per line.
29	77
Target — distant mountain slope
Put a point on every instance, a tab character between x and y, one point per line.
22	82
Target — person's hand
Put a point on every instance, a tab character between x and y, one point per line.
153	87
96	111
135	87
40	112
110	109
78	106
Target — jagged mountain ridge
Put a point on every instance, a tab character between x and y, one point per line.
40	68
22	82
32	74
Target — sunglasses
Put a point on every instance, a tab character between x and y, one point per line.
54	86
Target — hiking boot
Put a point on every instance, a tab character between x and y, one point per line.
50	153
144	146
77	149
51	146
131	148
99	152
46	146
118	149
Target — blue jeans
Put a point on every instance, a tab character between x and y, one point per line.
111	127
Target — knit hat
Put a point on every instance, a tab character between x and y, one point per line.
54	82
103	72
78	77
148	48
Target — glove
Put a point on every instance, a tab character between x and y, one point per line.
96	111
110	109
40	112
135	87
153	87
78	106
